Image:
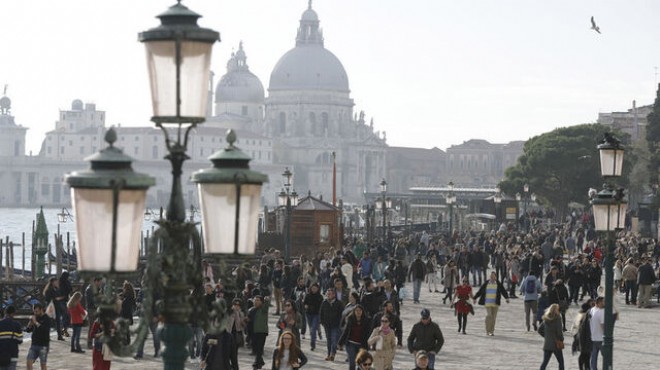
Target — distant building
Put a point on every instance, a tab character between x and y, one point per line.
632	122
306	123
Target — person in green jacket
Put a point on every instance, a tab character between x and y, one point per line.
258	326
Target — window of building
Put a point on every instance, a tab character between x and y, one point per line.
201	152
82	150
61	150
136	150
137	138
324	233
93	149
17	148
154	152
70	142
45	190
244	110
48	150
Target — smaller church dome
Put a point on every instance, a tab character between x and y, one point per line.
77	105
5	103
310	15
239	84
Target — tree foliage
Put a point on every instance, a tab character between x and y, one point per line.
653	139
560	166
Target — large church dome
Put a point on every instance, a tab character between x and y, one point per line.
239	84
309	66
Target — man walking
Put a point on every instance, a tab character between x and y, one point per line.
417	273
490	295
92	291
629	276
530	289
426	336
11	335
258	320
39	325
597	326
645	279
330	315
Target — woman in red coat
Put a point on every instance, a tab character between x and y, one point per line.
77	314
98	360
462	304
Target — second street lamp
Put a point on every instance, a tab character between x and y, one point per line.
450	199
288	198
609	209
384	204
497	199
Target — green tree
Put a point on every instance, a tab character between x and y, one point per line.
653	139
560	166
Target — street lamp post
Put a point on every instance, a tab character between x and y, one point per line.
497	199
384	204
526	197
287	198
609	209
109	198
450	199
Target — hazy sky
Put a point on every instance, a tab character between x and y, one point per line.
430	72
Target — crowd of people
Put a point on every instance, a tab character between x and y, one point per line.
352	298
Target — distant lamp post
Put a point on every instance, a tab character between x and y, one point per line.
64	216
525	198
288	198
109	198
384	204
450	199
609	210
497	199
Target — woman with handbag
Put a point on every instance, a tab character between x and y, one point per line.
451	280
236	323
553	336
383	341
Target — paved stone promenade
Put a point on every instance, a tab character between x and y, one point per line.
512	347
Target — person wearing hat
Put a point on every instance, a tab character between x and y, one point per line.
426	336
417	273
422	361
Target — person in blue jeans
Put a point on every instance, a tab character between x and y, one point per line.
417	272
355	334
330	317
312	305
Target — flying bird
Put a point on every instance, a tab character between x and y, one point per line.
594	26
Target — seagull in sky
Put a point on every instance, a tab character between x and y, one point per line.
594	26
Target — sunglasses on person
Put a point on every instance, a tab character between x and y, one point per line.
366	364
384	320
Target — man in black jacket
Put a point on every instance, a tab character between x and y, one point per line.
330	316
219	352
645	279
39	325
426	336
417	273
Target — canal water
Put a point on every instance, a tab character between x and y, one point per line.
16	221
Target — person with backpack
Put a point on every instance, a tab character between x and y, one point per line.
530	289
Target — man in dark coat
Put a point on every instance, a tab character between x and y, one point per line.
426	336
219	352
417	272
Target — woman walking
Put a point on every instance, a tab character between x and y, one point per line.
553	336
52	293
451	280
287	355
383	341
462	304
290	320
77	314
127	306
355	334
